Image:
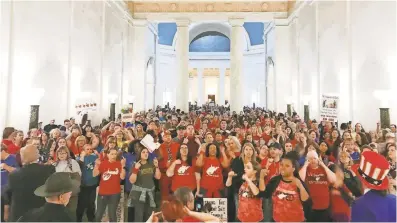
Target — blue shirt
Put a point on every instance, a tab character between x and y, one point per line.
12	162
129	161
89	163
373	207
355	155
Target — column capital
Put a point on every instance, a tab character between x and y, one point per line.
182	22
140	22
236	21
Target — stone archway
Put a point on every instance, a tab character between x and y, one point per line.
224	28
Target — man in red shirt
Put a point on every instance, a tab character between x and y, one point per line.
8	140
167	154
272	164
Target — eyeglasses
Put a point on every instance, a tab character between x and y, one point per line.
63	153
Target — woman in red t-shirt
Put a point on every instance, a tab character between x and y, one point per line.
212	160
318	178
112	171
250	203
183	171
287	193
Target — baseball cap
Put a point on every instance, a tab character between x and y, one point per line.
275	145
58	183
181	127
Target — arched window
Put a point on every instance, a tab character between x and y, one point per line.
210	41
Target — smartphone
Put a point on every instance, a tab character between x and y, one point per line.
198	203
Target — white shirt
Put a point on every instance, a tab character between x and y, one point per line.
64	167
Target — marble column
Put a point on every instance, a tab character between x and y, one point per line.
200	87
221	86
182	58
139	60
306	114
289	110
112	111
34	116
236	65
384	118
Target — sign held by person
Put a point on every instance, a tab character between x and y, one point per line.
329	108
218	207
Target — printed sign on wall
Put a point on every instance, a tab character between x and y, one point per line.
219	207
329	108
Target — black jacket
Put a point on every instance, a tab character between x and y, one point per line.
21	186
48	213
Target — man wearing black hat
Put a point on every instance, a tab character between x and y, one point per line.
57	191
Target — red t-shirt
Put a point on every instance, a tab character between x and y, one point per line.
339	205
104	136
184	176
250	206
266	137
110	177
317	182
11	147
287	206
274	169
163	150
73	148
212	179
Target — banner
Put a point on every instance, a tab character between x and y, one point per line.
329	108
219	207
129	117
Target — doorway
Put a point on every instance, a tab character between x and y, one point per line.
211	98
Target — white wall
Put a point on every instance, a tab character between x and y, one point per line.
65	48
344	48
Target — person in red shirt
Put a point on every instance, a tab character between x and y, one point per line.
112	171
8	137
110	144
272	164
318	178
263	153
212	160
71	140
287	192
250	203
266	135
341	197
183	172
106	131
167	154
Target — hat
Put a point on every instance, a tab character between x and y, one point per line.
40	121
275	145
390	135
181	127
58	183
372	170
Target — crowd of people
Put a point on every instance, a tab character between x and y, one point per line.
270	166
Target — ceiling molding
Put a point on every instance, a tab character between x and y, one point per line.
208	6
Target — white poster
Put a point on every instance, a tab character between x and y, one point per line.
329	108
129	117
219	207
